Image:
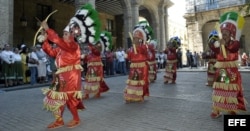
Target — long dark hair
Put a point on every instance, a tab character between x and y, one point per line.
24	50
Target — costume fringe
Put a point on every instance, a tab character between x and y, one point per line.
172	61
168	75
95	64
216	108
57	95
92	87
135	82
52	105
130	97
137	65
151	72
169	70
78	95
222	99
151	76
54	100
224	86
69	68
93	79
135	92
229	64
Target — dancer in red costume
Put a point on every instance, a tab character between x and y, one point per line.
171	67
94	80
67	89
210	68
211	56
227	89
138	83
152	61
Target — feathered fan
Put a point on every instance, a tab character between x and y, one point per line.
85	25
106	41
147	29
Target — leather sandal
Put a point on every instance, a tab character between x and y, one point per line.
98	95
85	97
56	124
73	123
215	115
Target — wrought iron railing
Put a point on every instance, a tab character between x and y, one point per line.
215	5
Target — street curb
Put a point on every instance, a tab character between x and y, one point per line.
2	89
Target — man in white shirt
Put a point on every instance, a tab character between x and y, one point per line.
122	63
8	60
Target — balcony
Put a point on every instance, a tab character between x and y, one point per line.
215	5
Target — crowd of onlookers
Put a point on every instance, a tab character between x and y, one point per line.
17	68
24	65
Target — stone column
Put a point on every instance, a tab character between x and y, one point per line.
6	22
166	38
128	27
162	40
135	11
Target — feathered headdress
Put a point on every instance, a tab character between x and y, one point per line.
233	22
153	42
213	37
106	41
143	30
85	25
175	42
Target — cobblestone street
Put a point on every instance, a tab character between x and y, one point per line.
185	106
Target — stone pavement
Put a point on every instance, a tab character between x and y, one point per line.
184	106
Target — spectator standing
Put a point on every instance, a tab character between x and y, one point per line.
7	57
179	58
33	65
162	57
109	62
18	67
121	60
42	66
244	59
189	58
26	72
157	53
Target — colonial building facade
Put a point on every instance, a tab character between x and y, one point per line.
19	18
203	16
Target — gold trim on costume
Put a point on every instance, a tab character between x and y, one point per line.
134	82
95	64
60	95
93	79
137	65
228	64
69	68
171	61
225	86
222	99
